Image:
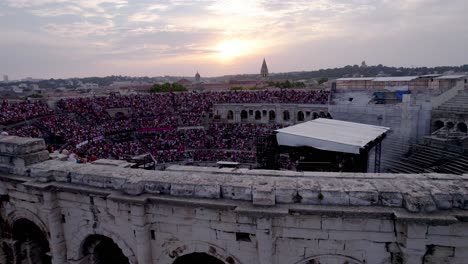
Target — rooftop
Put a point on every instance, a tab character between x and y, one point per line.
356	79
330	134
451	77
396	79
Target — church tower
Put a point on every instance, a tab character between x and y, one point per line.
197	77
264	70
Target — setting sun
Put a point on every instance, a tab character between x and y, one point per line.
232	48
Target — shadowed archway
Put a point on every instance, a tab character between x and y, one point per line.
98	249
31	245
197	258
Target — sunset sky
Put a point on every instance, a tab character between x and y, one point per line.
64	38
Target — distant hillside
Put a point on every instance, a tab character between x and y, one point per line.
346	71
368	71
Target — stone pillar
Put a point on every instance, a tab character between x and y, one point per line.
412	240
16	153
142	233
57	244
237	118
264	240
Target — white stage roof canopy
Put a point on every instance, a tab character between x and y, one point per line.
329	134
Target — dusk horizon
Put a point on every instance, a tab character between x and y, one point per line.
64	39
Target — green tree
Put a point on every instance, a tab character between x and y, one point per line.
167	87
236	88
322	80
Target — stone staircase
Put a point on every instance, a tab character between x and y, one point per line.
431	159
458	104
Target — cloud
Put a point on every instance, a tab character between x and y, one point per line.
143	17
190	30
80	29
82	8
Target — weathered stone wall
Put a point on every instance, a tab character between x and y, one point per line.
237	215
309	112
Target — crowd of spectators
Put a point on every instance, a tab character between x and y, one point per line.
79	120
14	112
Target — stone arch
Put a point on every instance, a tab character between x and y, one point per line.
450	125
230	115
8	249
31	244
271	115
315	115
170	254
330	259
258	115
21	213
286	115
75	250
462	127
438	124
300	116
102	249
244	115
198	258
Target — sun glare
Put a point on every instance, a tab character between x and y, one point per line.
230	49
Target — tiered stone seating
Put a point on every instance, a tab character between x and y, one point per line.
458	166
392	150
431	159
457	104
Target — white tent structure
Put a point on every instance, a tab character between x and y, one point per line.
330	135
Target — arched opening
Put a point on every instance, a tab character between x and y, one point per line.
32	246
286	116
450	125
315	115
258	115
330	258
438	125
462	127
300	116
271	115
244	115
120	116
230	115
196	258
98	249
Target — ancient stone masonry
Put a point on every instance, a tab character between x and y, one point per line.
55	211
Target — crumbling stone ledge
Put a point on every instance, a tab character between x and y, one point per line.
416	193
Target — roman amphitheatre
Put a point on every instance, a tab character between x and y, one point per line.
363	170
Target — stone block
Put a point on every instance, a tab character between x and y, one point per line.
221	235
237	192
300	233
134	188
299	221
308	191
263	193
212	191
15	146
181	189
363	198
419	202
361	192
332	192
391	199
416	230
157	187
286	191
